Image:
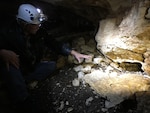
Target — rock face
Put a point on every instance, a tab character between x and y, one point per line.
126	40
106	78
123	33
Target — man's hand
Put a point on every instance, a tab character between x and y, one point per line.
9	57
79	56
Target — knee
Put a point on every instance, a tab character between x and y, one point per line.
8	72
52	65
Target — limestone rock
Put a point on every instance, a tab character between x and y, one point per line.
117	88
128	40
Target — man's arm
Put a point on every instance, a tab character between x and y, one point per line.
64	48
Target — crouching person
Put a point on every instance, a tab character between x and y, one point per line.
21	49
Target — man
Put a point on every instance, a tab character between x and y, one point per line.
22	47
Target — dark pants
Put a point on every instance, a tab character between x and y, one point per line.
16	82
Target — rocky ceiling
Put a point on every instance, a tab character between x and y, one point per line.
85	15
92	10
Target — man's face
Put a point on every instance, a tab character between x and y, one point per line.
32	28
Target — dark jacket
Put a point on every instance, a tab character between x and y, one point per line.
30	50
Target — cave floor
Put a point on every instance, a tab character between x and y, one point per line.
56	94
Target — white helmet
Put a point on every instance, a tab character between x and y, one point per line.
30	14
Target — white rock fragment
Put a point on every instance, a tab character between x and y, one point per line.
87	103
80	75
114	74
97	60
63	90
69	109
57	84
67	103
87	69
104	109
61	105
33	84
109	104
96	97
75	82
69	86
109	69
78	68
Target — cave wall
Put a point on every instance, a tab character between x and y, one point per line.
127	41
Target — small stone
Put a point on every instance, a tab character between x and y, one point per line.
75	82
70	109
88	101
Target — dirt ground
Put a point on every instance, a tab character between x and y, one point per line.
56	94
